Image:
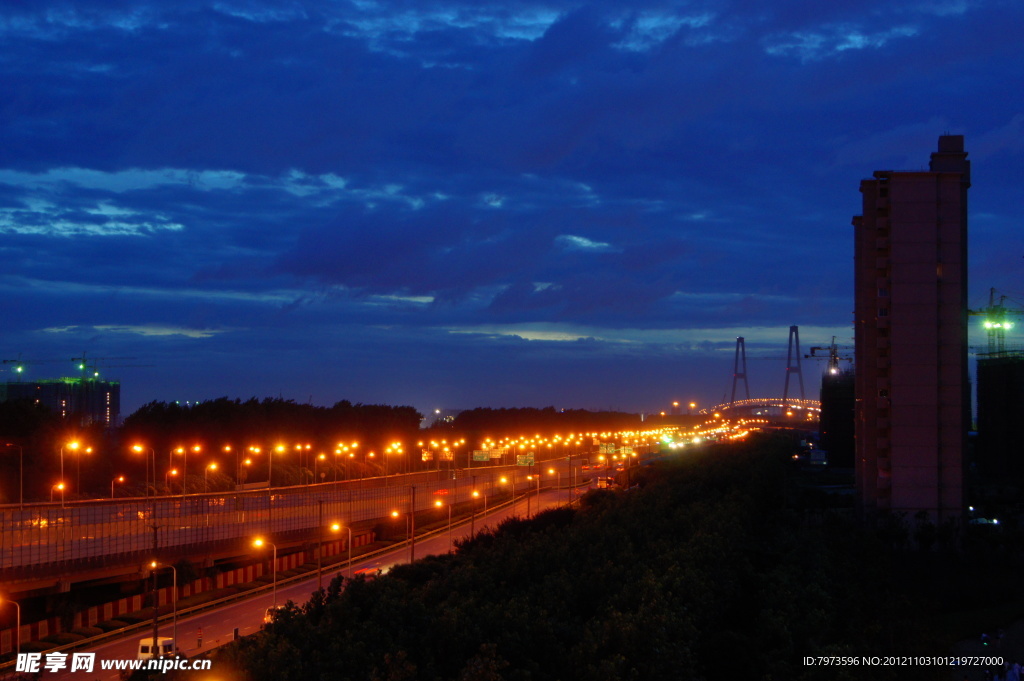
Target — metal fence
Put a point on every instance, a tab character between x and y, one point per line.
53	533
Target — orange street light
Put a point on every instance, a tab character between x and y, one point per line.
260	543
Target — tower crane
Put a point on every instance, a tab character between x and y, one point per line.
89	365
19	364
996	322
833	356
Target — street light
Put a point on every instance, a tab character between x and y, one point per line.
17	627
228	450
411	526
184	468
60	486
505	481
321	457
472	520
259	543
72	446
174	600
78	468
167	479
336	527
531	477
170	466
555	483
119	478
141	449
439	504
206	479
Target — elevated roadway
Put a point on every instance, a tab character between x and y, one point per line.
199	632
769	411
51	546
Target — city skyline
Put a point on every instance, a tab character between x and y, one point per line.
448	206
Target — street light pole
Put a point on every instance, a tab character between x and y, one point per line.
71	445
258	544
412	523
319	544
472	517
152	456
206	479
17	628
119	478
439	504
174	601
336	527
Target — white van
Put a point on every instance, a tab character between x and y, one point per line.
165	648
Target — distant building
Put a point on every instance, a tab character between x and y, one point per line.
1000	406
444	417
910	315
86	400
837	417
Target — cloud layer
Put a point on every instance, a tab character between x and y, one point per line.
455	204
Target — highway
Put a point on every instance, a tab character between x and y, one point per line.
63	536
218	626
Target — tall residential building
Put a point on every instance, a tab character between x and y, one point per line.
910	316
1000	403
85	400
837	417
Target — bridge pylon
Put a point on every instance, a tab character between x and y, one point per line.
794	352
739	369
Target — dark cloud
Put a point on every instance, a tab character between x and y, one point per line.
409	193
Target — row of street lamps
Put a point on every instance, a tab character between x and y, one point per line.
435	447
261	542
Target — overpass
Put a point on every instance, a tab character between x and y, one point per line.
771	411
46	547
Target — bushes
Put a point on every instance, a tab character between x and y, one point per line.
111	625
703	566
62	639
87	632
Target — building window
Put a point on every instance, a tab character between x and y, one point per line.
883	312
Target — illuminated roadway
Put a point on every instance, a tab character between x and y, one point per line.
218	625
61	539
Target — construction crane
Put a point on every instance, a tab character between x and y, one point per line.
19	364
833	356
996	322
90	365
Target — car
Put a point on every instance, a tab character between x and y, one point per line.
165	648
268	616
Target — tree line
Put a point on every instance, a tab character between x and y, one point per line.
713	567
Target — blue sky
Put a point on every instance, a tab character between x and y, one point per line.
451	204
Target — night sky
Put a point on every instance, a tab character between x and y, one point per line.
459	204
